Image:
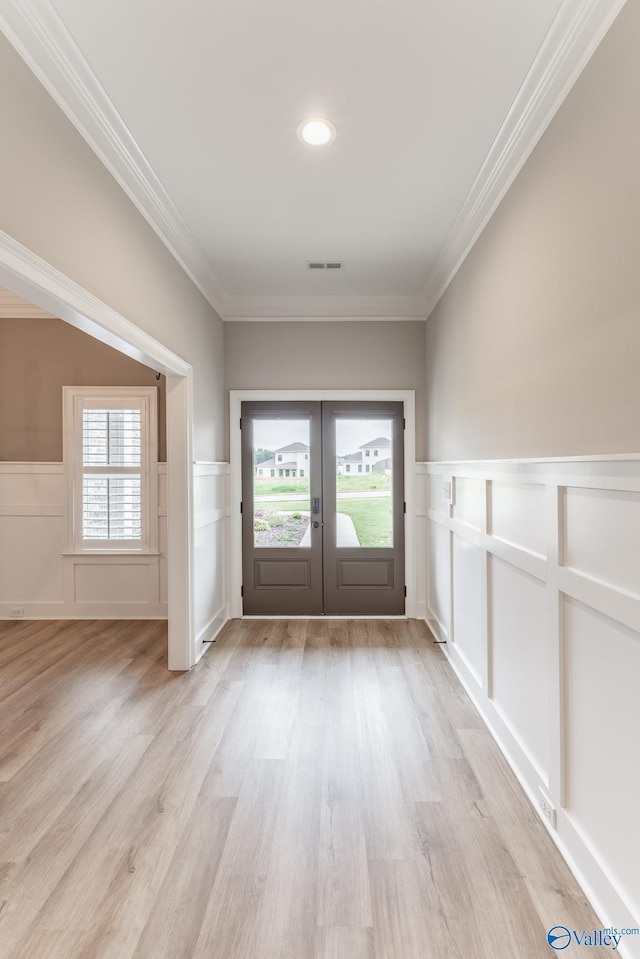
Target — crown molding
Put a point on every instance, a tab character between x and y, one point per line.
35	279
340	318
40	37
324	306
573	37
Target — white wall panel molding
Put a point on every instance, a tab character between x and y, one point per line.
528	562
615	603
542	626
602	731
26	469
435	516
211	545
421	552
38	577
463	530
162	489
210	468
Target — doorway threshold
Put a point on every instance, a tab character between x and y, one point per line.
325	618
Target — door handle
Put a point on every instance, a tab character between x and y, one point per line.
315	524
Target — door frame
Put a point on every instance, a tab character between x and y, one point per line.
237	397
28	275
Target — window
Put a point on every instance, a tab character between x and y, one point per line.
368	468
110	454
279	457
359	467
301	473
273	472
347	468
367	452
375	452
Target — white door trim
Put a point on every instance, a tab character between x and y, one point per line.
237	397
25	273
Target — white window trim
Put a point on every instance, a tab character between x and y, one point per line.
73	402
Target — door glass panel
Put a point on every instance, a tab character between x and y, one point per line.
281	459
364	482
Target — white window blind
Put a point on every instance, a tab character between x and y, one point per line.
112	458
110	452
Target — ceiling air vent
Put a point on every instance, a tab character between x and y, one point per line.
325	265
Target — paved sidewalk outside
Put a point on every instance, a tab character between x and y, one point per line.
346	533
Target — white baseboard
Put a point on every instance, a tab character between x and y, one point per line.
84	611
213	628
575	849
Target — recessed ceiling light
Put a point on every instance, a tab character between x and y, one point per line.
316	131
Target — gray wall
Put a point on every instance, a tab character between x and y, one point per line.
325	355
535	348
37	358
60	202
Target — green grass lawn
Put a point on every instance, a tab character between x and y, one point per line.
344	484
371	517
263	487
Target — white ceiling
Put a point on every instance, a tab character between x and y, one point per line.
194	107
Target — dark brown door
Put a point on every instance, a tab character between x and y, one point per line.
363	505
281	526
323	519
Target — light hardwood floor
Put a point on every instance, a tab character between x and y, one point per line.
311	790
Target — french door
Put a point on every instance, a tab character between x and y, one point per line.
323	508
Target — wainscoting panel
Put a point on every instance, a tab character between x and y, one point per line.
38	579
602	535
211	521
533	586
602	737
435	497
421	539
30	560
516	515
518	658
163	571
440	576
31	484
111	582
469	501
469	607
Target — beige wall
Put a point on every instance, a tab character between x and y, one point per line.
60	202
325	355
535	348
39	357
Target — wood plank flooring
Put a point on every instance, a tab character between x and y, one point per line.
311	790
